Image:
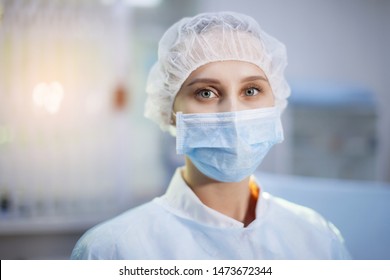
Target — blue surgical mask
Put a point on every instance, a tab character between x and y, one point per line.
229	146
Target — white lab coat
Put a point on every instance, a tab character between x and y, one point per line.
178	225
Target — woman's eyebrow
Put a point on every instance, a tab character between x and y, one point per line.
205	81
215	81
254	78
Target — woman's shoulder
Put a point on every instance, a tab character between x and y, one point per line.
104	241
298	225
298	216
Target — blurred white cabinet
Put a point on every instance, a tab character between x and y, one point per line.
331	132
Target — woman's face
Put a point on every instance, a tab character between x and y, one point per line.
224	86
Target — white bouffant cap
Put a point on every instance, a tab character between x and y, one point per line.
209	37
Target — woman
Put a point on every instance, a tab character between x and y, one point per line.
218	86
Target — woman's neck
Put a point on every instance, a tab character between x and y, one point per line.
231	199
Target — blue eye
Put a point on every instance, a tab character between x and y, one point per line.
251	91
206	94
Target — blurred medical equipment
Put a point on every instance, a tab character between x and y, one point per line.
330	131
65	137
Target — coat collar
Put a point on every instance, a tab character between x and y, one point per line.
182	201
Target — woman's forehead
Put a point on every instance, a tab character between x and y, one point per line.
229	69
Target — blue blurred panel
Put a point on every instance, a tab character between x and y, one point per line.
330	94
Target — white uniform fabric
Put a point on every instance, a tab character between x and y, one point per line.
178	225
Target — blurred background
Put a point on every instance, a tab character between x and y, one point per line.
75	148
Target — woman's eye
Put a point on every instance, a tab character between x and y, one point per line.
251	91
206	94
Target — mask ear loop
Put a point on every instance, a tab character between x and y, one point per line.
172	124
173	121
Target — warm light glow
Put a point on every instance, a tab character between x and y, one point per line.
3	134
6	135
48	96
144	3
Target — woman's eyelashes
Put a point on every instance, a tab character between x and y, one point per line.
249	91
205	94
252	91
